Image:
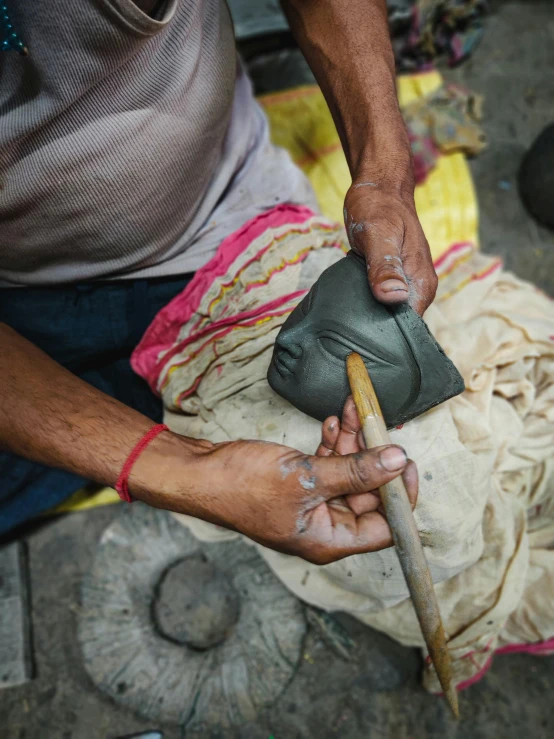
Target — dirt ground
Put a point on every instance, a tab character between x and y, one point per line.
378	693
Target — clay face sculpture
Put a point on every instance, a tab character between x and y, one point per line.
409	370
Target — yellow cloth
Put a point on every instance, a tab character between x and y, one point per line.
84	499
300	122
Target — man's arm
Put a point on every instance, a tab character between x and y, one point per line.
347	45
273	494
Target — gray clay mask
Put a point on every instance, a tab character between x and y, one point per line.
339	315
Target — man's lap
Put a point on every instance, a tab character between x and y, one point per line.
91	329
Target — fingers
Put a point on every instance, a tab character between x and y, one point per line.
333	476
350	421
384	227
338	533
330	429
340	437
361	503
423	291
403	274
367	533
373	534
347	441
400	272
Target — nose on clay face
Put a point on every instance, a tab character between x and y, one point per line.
295	350
289	341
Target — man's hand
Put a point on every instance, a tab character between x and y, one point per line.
383	226
344	436
347	45
320	508
273	494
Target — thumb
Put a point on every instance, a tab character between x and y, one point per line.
357	473
385	268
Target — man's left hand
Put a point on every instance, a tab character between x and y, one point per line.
347	45
383	226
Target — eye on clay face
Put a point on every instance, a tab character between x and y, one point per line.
329	315
339	316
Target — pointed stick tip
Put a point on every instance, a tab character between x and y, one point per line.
452	698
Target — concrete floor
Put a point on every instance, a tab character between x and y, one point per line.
331	697
512	68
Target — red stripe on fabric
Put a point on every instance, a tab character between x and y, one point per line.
164	329
544	647
541	647
475	678
220	335
481	275
452	250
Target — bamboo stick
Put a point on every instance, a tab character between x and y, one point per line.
404	531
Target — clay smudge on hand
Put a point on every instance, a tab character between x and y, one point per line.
287	468
306	507
415	290
398	266
391	284
366	184
354	227
308	483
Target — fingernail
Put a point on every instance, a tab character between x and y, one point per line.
393	458
392	286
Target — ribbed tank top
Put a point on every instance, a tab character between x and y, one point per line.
119	136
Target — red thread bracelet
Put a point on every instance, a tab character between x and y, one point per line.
122	484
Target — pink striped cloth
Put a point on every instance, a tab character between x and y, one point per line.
253	282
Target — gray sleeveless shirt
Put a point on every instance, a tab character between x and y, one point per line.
129	147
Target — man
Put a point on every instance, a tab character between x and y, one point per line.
130	146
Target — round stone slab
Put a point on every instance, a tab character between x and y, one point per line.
184	632
196	604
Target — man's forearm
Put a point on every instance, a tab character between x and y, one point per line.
51	416
347	45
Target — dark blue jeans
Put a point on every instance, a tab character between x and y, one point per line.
91	329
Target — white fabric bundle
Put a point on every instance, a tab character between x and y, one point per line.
486	504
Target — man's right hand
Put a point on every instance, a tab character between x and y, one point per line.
315	507
277	496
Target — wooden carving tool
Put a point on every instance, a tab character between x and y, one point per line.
404	531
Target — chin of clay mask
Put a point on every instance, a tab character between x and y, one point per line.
409	370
